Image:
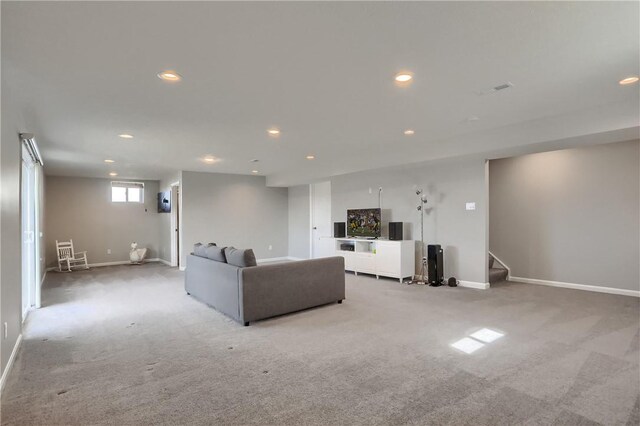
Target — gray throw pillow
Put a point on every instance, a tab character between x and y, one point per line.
239	257
216	253
199	249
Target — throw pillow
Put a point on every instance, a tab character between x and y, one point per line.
200	250
216	253
241	258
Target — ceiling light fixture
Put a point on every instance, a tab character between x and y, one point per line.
109	161
311	157
628	80
209	159
273	132
404	77
409	132
126	136
254	171
170	76
113	174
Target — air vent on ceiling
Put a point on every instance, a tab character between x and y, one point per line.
495	89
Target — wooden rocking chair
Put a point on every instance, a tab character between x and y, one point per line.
69	258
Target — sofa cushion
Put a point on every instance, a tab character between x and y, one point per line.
240	257
216	253
199	249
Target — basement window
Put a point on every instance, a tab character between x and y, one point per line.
127	192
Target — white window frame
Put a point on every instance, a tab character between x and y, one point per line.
127	185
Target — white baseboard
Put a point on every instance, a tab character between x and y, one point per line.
115	263
12	358
295	258
166	262
573	286
473	284
43	277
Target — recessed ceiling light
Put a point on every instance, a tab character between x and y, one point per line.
171	76
255	160
209	159
628	80
273	132
126	136
113	174
311	157
409	132
109	161
404	77
254	171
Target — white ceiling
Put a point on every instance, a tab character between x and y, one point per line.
85	72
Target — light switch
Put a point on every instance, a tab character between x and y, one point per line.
471	206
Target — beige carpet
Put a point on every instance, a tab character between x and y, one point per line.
125	345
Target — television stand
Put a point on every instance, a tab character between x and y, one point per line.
382	258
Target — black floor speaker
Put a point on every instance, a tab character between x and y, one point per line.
339	230
435	264
395	231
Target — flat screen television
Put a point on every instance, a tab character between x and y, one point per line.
364	223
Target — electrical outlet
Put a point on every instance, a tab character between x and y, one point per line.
6	330
470	206
270	247
108	251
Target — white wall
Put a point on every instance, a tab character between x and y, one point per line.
449	185
234	210
570	216
299	221
81	209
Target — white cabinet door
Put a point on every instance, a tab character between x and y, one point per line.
366	263
349	261
388	259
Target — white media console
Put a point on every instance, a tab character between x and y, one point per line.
386	258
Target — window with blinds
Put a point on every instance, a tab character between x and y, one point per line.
127	192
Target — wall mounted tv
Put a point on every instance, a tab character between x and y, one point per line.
364	223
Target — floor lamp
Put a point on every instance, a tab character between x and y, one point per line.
423	260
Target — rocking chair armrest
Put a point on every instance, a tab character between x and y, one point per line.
81	252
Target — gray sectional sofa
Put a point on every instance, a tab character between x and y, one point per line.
249	293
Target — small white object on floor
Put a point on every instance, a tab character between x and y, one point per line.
137	255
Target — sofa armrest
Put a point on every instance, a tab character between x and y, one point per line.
270	290
214	283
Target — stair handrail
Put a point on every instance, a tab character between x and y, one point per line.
495	258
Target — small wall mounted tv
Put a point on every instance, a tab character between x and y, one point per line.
364	223
164	202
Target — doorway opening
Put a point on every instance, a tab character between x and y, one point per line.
321	243
30	225
175	224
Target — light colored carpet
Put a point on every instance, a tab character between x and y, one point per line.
125	345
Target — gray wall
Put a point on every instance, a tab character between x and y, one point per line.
81	209
234	210
299	221
570	215
448	185
10	242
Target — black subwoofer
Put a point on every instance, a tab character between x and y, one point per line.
395	231
435	264
339	230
